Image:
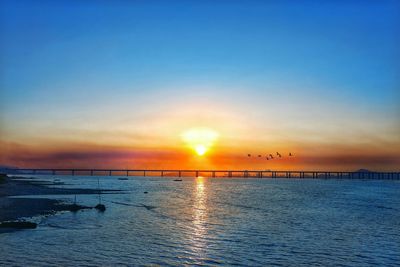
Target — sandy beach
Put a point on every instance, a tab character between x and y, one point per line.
14	209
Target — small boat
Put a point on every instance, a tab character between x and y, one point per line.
177	180
122	178
100	207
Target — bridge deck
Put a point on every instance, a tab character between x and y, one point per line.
210	173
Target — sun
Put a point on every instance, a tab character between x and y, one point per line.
200	150
200	139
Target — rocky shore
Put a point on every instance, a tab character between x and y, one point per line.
12	208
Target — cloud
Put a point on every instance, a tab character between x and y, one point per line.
98	156
89	156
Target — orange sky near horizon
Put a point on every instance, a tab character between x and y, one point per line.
154	139
224	154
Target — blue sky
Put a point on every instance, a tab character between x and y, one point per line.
298	62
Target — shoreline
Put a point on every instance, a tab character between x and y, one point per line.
14	209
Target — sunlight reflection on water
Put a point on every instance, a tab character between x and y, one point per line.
199	216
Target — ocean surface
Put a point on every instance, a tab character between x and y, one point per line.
217	221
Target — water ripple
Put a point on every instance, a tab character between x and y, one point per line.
219	222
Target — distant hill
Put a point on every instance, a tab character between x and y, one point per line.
7	167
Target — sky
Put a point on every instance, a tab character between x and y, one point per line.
121	84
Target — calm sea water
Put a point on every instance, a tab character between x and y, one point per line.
209	222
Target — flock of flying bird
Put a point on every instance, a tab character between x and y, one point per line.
270	156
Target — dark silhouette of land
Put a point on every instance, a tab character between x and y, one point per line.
13	208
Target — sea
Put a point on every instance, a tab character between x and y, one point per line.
203	221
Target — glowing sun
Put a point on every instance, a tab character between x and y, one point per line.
200	139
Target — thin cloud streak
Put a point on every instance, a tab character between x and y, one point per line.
114	157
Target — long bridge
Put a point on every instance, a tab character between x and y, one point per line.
209	173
